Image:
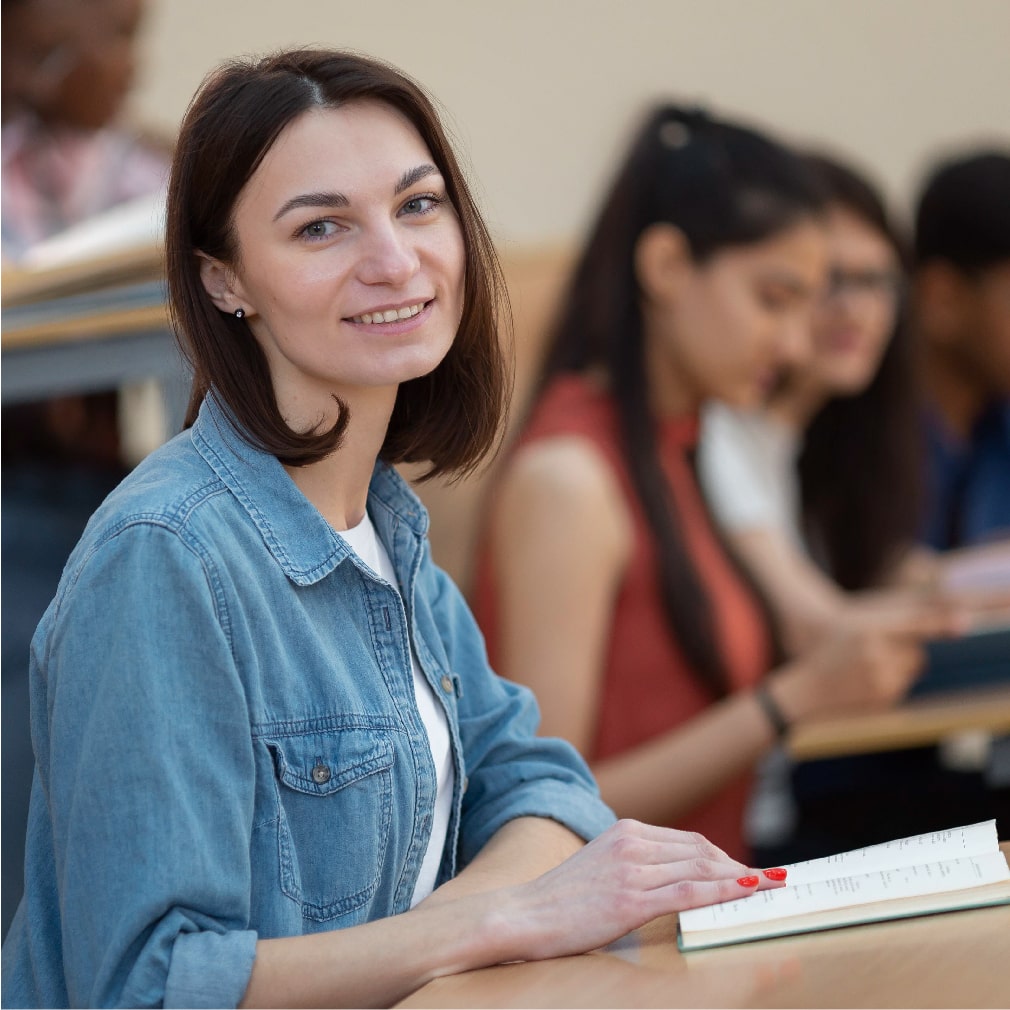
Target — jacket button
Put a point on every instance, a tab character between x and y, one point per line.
446	683
320	774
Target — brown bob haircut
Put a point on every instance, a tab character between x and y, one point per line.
450	418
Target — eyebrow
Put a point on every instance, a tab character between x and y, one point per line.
408	179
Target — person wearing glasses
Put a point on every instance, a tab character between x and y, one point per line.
818	488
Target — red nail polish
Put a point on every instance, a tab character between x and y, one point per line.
747	881
776	873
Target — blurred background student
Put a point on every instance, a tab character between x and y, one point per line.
604	584
821	492
818	487
68	66
961	313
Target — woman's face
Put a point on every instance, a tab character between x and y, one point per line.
737	319
855	316
350	258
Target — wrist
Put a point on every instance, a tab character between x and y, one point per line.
772	710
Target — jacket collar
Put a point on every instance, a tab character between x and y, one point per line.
300	540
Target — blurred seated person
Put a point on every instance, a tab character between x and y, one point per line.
796	482
67	66
67	69
820	491
961	314
602	581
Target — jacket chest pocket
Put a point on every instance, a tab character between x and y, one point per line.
336	802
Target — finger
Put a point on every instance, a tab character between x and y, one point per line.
941	622
684	894
657	833
654	844
772	877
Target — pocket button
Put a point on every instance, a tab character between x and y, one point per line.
320	774
446	683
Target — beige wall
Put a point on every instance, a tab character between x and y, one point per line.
541	93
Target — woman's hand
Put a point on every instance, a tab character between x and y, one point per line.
868	663
621	880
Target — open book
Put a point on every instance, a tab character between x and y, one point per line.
936	872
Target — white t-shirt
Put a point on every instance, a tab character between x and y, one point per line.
364	541
747	470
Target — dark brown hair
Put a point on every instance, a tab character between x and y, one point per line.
722	185
860	468
450	418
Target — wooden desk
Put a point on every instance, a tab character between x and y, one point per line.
917	723
957	959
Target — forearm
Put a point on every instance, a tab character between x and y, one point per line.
629	875
806	602
522	850
378	963
664	779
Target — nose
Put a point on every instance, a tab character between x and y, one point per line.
387	257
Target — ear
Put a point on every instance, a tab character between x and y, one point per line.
941	298
220	283
662	261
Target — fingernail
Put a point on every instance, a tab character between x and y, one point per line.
776	873
747	881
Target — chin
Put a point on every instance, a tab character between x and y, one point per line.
850	383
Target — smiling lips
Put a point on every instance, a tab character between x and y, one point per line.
390	315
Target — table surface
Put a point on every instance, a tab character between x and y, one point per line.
918	722
954	959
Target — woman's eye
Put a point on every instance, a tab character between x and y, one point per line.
775	301
318	229
421	204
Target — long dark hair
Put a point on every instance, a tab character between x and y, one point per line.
450	418
860	466
722	185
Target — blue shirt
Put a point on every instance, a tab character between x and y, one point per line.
968	481
227	741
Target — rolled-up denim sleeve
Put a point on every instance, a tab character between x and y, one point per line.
150	778
511	772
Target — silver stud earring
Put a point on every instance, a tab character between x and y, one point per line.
240	313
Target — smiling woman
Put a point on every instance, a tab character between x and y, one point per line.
273	765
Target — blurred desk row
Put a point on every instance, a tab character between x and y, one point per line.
52	350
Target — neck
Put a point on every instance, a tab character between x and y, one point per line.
956	396
338	485
797	404
671	390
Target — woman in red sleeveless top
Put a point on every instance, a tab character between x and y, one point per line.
602	582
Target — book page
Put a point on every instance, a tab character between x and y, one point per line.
953	843
846	892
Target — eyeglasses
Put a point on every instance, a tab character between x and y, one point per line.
864	284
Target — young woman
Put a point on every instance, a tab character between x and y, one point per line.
604	585
272	763
797	483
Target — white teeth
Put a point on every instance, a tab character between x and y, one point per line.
390	315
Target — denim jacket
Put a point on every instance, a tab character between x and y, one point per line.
227	741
